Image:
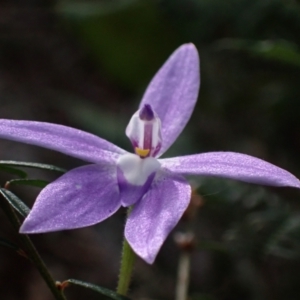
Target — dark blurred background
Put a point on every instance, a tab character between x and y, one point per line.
86	64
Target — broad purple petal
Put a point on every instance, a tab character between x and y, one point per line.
231	165
70	141
82	197
152	219
173	92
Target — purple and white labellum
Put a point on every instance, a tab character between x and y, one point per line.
135	169
135	175
144	131
135	172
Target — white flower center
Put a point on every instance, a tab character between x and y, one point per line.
137	170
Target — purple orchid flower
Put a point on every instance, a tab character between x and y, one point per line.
154	187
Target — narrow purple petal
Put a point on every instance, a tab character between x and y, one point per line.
152	219
70	141
82	197
173	92
231	165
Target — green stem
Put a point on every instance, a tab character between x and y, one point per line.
32	253
127	262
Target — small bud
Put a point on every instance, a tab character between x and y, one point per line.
22	253
185	241
62	285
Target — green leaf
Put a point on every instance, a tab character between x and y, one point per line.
98	289
31	182
31	165
8	244
276	50
14	171
15	202
285	241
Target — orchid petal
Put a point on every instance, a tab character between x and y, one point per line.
173	92
70	141
84	196
152	218
231	165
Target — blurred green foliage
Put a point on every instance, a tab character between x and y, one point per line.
248	237
249	102
141	37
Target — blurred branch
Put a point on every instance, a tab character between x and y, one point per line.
183	276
